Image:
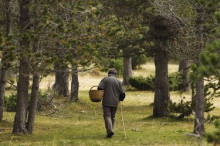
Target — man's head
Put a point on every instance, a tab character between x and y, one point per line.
112	71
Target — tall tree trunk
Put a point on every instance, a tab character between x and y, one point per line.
24	70
4	67
199	101
199	108
181	65
74	86
33	103
127	70
36	76
22	97
2	90
162	96
61	85
184	68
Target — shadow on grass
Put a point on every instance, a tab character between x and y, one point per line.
169	118
44	136
5	123
136	108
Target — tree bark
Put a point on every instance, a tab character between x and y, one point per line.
162	96
4	67
127	70
74	86
199	101
36	76
181	65
184	68
22	97
199	108
33	103
2	90
61	85
24	71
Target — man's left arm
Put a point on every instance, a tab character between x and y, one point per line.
102	85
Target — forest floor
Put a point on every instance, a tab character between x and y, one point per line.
82	123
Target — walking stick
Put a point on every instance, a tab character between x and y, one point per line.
123	120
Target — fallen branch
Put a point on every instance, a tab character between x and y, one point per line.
56	109
192	134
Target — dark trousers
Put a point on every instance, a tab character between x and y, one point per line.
109	117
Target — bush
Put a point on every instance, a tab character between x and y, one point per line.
117	64
175	81
148	83
138	60
42	100
142	83
10	103
113	63
215	136
185	108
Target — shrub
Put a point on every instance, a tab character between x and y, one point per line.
142	83
113	63
117	64
10	103
42	100
148	83
138	60
185	108
215	136
175	81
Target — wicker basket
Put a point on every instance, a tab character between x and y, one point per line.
96	95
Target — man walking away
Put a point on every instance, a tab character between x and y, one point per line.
113	94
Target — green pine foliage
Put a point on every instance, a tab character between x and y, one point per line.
211	68
67	33
185	108
124	32
175	81
8	50
210	59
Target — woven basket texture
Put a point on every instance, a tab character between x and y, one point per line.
96	95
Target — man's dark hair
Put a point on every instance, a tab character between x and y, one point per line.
112	71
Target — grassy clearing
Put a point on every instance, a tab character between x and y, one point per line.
149	69
82	123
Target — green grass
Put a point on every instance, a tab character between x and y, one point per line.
82	124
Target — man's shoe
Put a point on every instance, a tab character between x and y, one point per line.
110	135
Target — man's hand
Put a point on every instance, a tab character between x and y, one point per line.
122	96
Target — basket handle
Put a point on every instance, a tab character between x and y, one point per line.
92	87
